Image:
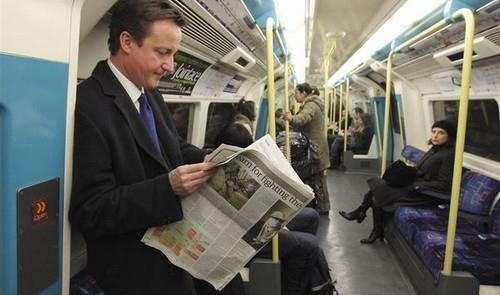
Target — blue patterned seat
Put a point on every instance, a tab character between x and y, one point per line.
411	220
84	284
412	154
473	254
476	253
477	193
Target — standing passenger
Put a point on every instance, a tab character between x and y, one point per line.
130	167
309	119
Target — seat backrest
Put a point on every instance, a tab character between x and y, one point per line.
412	154
477	193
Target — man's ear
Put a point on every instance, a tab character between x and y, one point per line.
126	41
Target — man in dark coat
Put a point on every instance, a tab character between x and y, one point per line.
130	166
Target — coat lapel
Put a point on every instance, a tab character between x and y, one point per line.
112	87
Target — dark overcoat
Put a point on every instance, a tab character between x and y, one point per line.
435	171
121	187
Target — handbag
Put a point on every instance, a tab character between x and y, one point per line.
399	174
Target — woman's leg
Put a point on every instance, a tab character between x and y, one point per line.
335	152
378	227
359	213
323	198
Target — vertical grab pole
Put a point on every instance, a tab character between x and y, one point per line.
346	122
388	87
270	78
461	126
378	127
287	108
468	17
334	105
327	100
286	102
340	106
270	102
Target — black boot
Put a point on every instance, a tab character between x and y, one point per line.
359	213
378	227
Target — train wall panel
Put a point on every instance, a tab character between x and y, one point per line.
25	29
33	95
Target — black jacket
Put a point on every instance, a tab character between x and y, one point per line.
121	187
435	171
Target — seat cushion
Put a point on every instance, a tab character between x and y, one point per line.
411	220
479	257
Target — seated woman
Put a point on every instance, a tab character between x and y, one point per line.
362	138
434	171
358	142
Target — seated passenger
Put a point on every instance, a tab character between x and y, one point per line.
358	141
362	138
434	171
280	123
304	265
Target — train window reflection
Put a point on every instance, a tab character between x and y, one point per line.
219	115
181	114
483	126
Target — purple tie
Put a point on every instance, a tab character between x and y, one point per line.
148	118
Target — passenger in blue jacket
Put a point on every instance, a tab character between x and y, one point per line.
435	171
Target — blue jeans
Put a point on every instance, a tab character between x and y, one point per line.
336	151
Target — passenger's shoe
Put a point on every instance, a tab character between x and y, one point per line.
377	233
359	215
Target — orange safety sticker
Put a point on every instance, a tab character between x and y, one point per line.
39	211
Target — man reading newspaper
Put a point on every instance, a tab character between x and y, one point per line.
220	233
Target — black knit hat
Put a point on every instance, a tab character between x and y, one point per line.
447	126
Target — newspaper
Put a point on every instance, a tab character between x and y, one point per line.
254	193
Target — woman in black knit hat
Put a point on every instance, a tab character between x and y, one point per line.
435	171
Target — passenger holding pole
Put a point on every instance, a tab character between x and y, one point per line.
310	121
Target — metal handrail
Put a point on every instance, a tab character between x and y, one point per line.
340	106
286	106
327	54
468	17
346	121
270	101
332	116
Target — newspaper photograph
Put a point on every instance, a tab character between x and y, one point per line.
254	194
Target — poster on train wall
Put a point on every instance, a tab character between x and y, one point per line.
234	85
188	70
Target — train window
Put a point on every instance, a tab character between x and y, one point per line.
181	114
483	125
219	115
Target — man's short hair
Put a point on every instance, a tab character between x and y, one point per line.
136	17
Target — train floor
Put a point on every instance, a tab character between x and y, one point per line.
359	269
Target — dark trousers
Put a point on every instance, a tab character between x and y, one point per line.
336	151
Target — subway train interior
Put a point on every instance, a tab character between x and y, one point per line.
404	64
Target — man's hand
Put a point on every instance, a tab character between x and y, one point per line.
287	116
186	179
